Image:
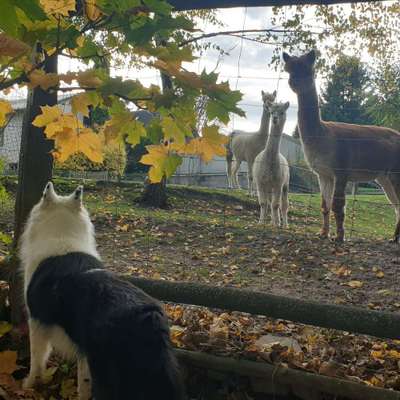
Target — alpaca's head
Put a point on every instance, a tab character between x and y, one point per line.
301	70
268	99
278	115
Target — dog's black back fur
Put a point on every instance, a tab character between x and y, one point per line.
122	331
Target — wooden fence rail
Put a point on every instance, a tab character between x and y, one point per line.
351	319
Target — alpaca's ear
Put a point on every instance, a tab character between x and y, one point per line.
274	94
286	57
287	104
311	56
49	193
262	93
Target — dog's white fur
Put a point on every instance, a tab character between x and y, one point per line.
43	238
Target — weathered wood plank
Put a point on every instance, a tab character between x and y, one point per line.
352	319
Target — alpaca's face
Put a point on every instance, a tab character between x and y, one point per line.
301	70
268	99
278	113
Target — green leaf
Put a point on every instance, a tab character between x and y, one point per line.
159	7
6	239
31	9
8	18
5	327
135	130
171	164
172	130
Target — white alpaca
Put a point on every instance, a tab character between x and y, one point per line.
244	146
271	171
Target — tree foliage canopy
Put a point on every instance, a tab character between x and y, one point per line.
344	97
102	34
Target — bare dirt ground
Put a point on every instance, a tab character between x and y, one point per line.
213	237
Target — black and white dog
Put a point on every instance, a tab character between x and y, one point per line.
118	334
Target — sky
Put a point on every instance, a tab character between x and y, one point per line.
245	67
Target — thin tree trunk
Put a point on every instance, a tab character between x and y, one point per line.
34	171
155	194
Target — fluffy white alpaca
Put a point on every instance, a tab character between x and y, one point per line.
244	146
271	171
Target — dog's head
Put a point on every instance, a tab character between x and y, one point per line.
60	215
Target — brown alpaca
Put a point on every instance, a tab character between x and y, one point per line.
339	152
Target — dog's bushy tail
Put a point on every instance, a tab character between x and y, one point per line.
136	360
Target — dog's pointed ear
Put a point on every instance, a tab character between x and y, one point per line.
49	193
77	195
286	57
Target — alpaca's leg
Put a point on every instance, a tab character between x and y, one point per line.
338	206
250	181
327	186
235	169
392	191
285	206
264	203
40	350
84	380
275	207
229	173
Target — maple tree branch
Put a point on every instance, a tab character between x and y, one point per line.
242	31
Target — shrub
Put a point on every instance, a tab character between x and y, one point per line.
114	161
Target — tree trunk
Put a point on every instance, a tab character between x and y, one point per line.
34	171
155	194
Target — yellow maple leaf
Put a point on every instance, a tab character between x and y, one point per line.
8	362
211	144
49	114
5	109
12	47
81	102
68	77
355	284
88	79
84	141
163	162
117	125
39	78
62	7
92	11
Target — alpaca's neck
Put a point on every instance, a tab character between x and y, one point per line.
264	126
309	118
273	146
